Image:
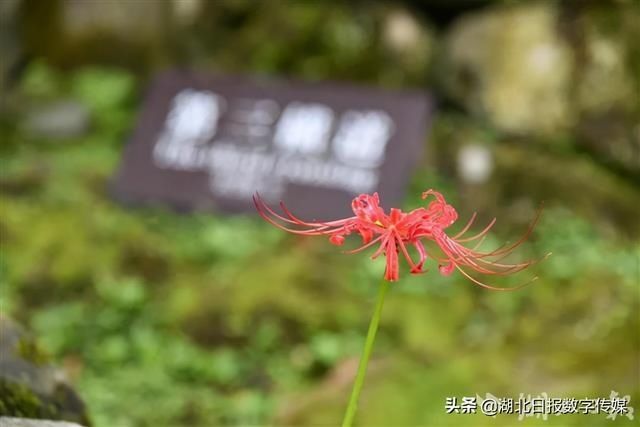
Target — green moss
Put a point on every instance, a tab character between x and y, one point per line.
16	400
28	350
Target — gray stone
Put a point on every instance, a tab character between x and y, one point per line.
546	71
607	85
28	422
79	32
29	385
511	66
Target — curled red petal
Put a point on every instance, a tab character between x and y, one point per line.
422	253
365	246
447	269
391	272
337	239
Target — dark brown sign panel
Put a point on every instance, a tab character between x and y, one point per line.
206	142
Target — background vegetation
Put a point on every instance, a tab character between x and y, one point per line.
165	319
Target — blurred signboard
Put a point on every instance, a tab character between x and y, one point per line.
210	143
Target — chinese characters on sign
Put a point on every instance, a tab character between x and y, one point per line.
540	406
204	142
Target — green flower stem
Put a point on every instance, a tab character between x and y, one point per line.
364	359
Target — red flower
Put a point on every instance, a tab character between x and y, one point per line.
395	231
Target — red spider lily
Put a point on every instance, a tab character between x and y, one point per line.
393	232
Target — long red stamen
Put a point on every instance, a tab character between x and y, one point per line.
322	223
466	227
381	249
480	234
406	255
365	246
461	255
315	231
493	288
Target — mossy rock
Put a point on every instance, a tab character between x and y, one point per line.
31	387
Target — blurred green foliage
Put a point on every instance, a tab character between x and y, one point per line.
169	319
